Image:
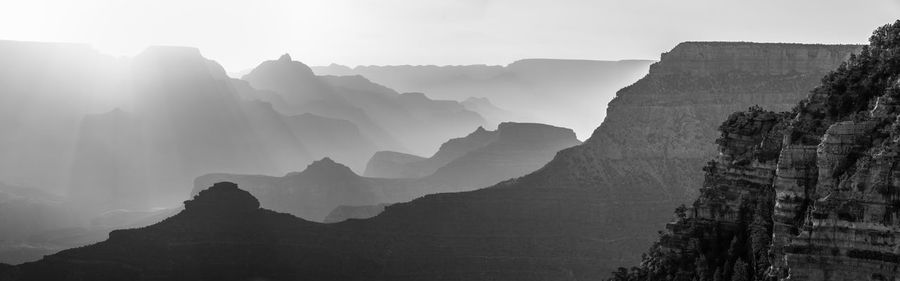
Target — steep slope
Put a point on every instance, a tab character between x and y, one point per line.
395	122
517	149
579	88
658	131
803	195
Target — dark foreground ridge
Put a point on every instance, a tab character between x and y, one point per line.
222	234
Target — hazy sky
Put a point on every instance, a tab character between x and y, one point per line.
240	34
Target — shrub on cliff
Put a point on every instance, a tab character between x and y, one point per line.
852	87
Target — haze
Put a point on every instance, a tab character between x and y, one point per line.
240	34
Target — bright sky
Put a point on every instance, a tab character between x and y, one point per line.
240	34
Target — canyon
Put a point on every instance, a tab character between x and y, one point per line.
593	208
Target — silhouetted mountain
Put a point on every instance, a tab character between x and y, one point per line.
567	93
393	121
223	235
320	188
126	135
187	120
519	148
389	164
480	159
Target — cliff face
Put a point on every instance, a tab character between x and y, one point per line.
658	132
803	195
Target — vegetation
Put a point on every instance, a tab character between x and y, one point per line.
698	249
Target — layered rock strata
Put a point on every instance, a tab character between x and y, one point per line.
825	204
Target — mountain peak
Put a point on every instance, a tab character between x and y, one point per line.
329	168
222	197
285	57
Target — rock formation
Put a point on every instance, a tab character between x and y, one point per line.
565	93
408	122
481	159
515	150
389	164
316	191
808	194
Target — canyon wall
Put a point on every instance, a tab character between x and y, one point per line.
809	194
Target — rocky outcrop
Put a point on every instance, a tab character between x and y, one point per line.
222	198
823	204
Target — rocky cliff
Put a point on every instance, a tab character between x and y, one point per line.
808	194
